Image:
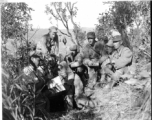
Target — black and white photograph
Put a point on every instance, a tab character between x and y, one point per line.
75	60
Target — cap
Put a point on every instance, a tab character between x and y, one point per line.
117	38
53	28
91	35
115	33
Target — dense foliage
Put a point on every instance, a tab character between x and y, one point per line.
17	100
131	19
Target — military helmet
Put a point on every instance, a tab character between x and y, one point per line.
91	35
75	48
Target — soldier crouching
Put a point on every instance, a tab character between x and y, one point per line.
72	83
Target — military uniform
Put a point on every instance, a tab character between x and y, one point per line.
48	45
121	59
91	56
91	52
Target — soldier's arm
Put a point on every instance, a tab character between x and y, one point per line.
103	58
126	57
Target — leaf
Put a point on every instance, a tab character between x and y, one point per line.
31	111
18	87
39	118
25	99
15	99
11	89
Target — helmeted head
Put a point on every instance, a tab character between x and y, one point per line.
53	32
91	38
74	49
117	39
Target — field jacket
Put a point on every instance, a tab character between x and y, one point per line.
122	57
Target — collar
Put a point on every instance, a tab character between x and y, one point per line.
119	49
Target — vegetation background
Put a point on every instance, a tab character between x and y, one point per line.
128	101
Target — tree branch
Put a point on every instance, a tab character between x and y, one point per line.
33	34
70	9
59	15
64	33
57	18
71	15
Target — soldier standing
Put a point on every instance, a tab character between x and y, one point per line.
49	43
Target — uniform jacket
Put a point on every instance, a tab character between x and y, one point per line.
122	57
47	45
90	52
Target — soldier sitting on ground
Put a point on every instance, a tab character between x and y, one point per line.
49	43
93	55
75	56
120	59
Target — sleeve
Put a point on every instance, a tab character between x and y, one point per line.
126	57
103	58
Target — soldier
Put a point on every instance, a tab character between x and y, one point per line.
120	59
34	74
88	52
72	82
49	43
73	55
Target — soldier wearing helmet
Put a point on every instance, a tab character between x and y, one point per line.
88	52
73	54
